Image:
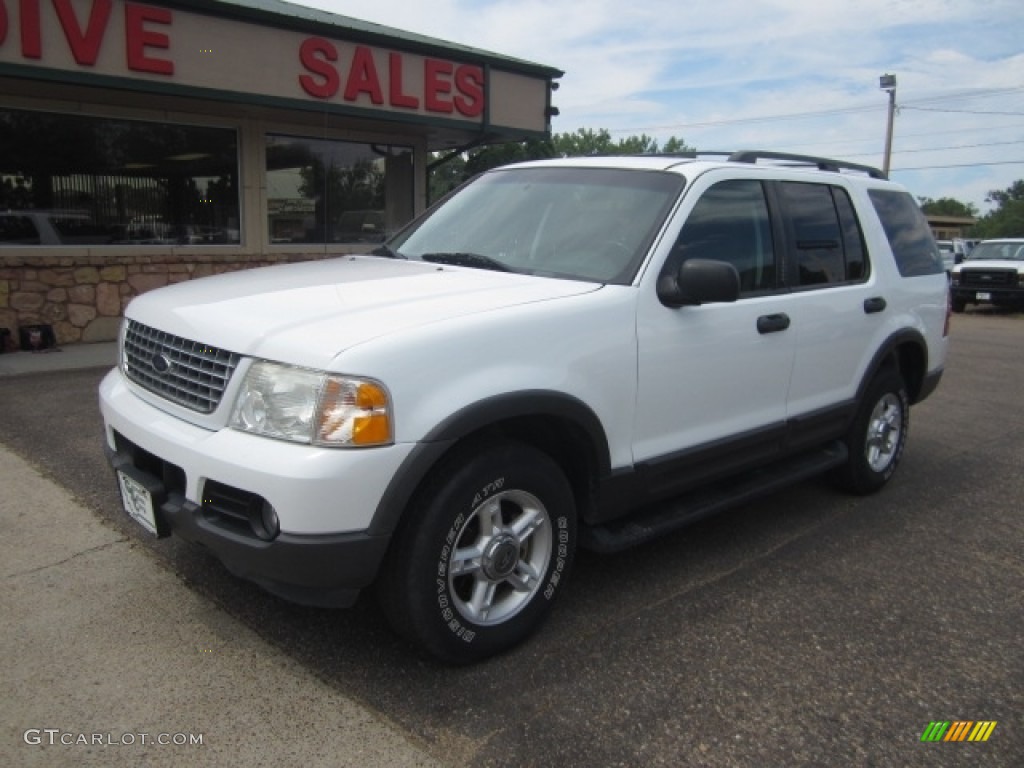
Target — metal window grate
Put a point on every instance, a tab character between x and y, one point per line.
183	371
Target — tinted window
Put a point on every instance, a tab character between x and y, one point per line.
857	267
817	237
93	180
730	223
907	230
327	191
17	230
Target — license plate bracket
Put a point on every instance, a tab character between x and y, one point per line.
140	500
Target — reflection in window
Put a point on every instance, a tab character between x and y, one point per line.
81	180
730	223
829	243
323	191
909	234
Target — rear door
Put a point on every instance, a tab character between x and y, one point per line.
837	306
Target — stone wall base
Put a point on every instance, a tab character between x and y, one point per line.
83	297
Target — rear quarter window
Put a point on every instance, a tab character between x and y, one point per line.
907	230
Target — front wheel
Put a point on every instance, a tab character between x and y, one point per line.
878	435
483	552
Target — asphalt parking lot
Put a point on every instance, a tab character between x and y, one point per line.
811	628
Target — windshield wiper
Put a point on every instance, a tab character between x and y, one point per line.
458	259
387	252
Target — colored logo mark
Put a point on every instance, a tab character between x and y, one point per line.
960	730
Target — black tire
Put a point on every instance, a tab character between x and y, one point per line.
958	305
877	436
482	552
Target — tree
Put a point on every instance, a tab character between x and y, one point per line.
1007	220
584	142
947	206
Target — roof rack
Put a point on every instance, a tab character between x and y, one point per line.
821	163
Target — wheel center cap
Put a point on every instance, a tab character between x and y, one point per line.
500	557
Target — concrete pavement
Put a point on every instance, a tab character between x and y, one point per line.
68	358
808	629
107	658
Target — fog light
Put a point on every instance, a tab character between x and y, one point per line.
271	526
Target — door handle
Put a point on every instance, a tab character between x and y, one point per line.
874	304
772	323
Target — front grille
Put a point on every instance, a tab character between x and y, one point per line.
988	278
183	371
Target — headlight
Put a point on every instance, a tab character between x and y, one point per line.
307	406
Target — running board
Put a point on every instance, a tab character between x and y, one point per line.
658	519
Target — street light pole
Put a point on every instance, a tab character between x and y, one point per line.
888	83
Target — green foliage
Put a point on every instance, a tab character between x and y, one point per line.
451	170
947	206
1007	219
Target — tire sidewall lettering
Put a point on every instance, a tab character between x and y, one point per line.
556	568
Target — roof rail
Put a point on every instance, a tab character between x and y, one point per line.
821	163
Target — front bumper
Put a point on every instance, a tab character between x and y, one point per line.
321	570
328	548
988	287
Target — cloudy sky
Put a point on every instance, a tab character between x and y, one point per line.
788	75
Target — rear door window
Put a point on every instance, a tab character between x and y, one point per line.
907	230
827	245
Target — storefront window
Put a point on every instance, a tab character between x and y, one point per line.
322	191
80	180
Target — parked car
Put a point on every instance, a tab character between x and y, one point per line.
565	353
948	254
40	227
993	273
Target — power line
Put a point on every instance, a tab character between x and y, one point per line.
960	165
908	104
939	149
962	111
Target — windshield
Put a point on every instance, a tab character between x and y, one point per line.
592	224
1011	251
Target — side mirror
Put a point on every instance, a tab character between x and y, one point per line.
700	281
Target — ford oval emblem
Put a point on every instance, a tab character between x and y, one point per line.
160	363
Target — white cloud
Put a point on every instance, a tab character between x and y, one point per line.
671	67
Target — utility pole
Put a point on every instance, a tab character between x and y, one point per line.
888	83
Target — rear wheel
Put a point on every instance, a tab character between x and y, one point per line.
483	552
878	435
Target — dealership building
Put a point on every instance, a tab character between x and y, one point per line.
146	143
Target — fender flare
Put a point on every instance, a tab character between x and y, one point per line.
474	418
887	352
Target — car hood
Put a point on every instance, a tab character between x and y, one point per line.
992	264
307	314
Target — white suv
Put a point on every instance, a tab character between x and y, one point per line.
564	353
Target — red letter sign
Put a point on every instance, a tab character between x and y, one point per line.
85	46
435	86
362	77
469	82
138	38
395	92
316	54
31	36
